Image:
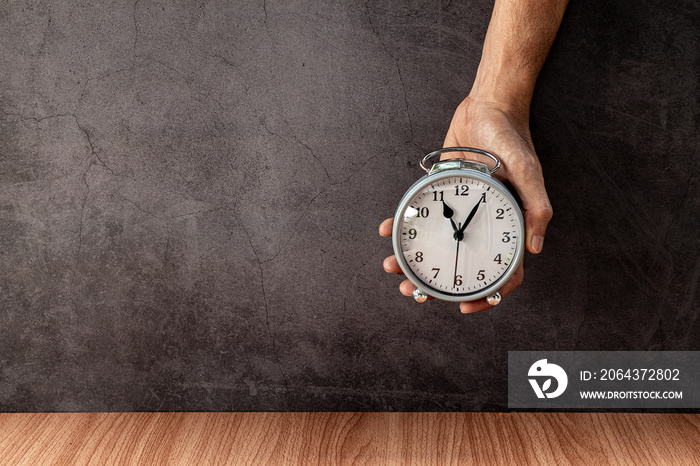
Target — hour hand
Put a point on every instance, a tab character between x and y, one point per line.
449	213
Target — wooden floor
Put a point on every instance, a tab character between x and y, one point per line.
348	438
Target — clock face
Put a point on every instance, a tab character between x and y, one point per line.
460	236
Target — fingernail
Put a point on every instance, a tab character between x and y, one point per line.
537	243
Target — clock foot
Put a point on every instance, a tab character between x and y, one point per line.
494	299
419	296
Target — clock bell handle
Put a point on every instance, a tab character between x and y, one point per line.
460	149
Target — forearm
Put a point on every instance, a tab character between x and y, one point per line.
518	40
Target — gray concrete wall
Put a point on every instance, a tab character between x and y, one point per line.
190	193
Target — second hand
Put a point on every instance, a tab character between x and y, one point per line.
456	261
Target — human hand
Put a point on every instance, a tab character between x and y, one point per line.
505	132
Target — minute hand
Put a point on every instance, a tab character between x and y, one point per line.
469	219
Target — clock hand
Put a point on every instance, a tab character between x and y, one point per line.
469	219
448	213
456	260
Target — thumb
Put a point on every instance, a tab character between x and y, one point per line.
526	177
537	209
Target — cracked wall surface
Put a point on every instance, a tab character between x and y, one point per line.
190	194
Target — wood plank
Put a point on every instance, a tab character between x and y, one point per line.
348	438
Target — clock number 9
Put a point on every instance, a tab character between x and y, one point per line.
412	233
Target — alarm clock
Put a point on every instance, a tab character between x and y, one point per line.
458	232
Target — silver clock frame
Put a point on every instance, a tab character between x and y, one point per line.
447	169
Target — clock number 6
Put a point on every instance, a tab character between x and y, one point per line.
458	280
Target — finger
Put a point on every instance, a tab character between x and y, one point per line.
450	139
537	210
386	227
459	119
406	288
391	265
469	307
